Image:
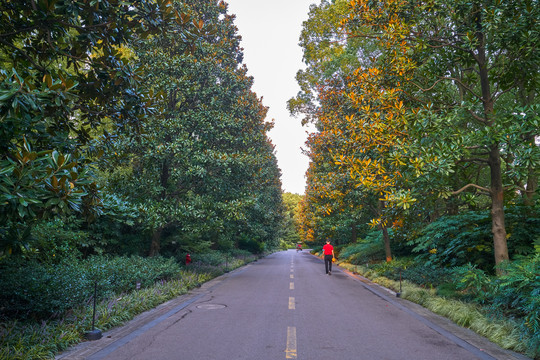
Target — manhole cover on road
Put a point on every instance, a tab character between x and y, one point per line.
210	306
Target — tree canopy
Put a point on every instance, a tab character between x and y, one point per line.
134	113
435	107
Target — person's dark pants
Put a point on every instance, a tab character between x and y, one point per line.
328	263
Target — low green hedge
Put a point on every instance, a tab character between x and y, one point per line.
39	291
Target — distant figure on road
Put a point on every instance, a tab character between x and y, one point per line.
328	251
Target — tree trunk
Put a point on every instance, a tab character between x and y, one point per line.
500	246
156	242
498	229
386	239
354	233
532	186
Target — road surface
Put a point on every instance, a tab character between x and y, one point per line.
284	306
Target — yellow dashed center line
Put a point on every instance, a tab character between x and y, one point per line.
290	351
291	303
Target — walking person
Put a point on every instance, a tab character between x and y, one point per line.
328	251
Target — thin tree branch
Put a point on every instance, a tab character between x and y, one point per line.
40	68
478	118
486	190
477	160
19	31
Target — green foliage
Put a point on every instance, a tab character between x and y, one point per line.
518	295
204	172
118	230
251	245
512	295
466	238
449	151
118	301
456	240
476	284
56	240
291	225
40	290
427	276
38	186
214	258
152	102
65	80
365	251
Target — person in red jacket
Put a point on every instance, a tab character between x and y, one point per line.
328	251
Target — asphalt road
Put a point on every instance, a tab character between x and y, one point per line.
284	307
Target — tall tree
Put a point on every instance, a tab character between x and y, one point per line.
204	169
64	76
473	59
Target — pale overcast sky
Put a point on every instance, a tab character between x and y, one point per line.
270	31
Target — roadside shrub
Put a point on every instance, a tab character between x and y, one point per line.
466	238
523	229
116	274
475	284
56	239
214	258
32	289
22	340
518	296
251	245
316	249
514	295
283	245
364	251
427	276
243	254
456	240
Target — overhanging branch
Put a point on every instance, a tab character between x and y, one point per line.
483	189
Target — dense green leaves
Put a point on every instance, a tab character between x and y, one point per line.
138	118
204	170
434	111
66	80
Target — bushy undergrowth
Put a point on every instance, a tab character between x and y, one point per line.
466	238
42	340
364	251
42	337
39	291
514	295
